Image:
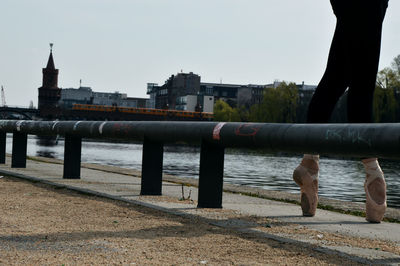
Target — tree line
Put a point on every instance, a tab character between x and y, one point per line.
287	104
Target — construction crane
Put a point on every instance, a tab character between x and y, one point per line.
3	97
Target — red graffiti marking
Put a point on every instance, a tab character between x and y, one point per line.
247	130
121	128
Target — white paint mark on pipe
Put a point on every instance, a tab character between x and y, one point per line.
18	124
101	127
217	130
76	124
54	125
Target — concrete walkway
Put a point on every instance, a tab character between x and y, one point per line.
240	211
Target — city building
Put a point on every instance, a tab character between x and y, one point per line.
169	95
305	94
71	96
85	95
185	91
235	95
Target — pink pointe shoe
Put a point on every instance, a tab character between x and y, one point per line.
375	191
307	179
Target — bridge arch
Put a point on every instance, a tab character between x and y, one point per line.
4	112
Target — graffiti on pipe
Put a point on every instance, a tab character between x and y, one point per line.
247	130
346	135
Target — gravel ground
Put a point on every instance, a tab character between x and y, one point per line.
43	225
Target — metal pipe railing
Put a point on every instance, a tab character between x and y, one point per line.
355	140
358	140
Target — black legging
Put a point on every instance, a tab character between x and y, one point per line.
353	61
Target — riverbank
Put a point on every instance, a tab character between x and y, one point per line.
346	237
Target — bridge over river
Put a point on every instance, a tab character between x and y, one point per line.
16	112
101	113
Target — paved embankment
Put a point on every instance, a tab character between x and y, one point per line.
348	236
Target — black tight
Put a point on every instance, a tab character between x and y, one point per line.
352	63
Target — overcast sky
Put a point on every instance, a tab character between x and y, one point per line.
120	45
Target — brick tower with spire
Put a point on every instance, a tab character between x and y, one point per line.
49	93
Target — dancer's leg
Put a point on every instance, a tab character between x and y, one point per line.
335	80
332	85
365	44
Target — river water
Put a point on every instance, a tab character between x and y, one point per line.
339	179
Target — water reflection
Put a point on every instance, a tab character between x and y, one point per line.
45	144
339	179
47	141
46	153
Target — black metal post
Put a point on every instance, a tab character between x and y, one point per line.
152	166
211	175
3	139
72	157
18	159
